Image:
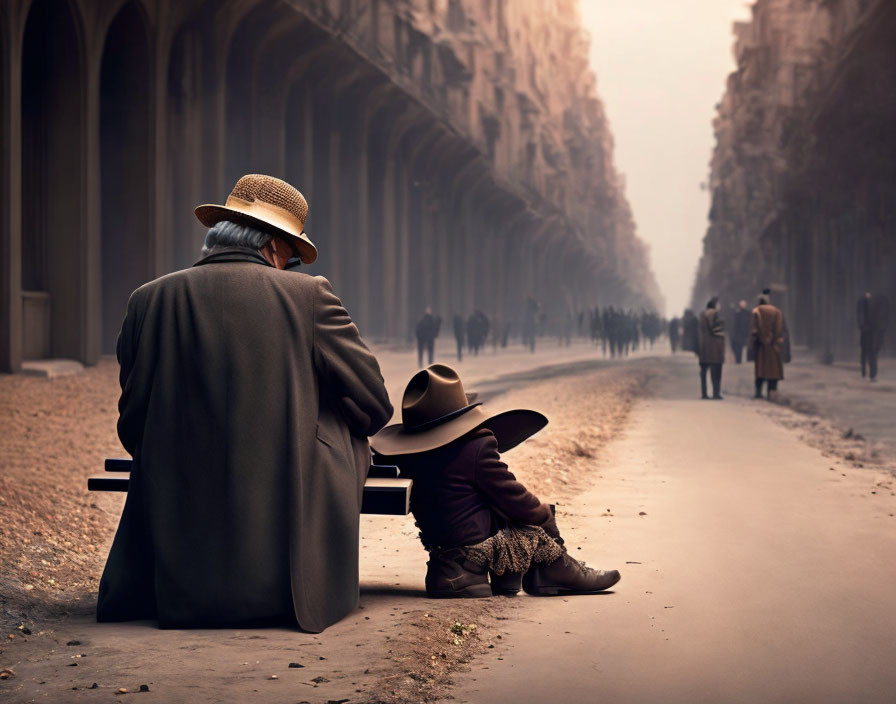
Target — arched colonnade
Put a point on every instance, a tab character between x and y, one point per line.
119	117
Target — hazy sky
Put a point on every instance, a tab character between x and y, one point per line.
661	67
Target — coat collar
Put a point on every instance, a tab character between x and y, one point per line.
233	254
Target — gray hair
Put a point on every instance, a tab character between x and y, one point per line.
230	234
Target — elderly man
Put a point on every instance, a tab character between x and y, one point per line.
247	398
769	344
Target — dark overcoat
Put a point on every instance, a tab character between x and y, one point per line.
464	493
767	339
247	398
740	332
712	337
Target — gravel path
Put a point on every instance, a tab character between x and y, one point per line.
399	647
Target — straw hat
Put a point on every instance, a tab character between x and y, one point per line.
435	411
266	203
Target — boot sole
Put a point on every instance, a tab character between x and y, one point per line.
478	591
558	591
505	592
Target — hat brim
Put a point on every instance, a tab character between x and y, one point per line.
210	215
510	429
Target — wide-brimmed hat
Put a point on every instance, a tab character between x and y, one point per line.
436	411
268	204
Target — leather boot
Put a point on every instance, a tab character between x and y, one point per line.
507	584
449	575
566	575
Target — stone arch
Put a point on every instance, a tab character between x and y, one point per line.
269	90
53	183
125	166
422	211
446	159
239	66
186	142
386	119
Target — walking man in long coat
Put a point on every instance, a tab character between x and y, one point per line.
872	313
674	333
767	340
711	348
426	331
247	398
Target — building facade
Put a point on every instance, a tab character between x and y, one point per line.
803	177
454	154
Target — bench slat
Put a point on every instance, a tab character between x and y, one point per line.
390	471
382	495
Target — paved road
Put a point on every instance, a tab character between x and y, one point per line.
758	575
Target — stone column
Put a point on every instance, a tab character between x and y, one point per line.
362	225
12	22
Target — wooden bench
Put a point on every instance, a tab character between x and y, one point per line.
385	492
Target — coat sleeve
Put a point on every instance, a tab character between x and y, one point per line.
347	370
754	327
132	403
509	496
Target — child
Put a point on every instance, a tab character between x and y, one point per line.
475	518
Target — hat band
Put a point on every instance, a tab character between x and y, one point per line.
273	214
437	421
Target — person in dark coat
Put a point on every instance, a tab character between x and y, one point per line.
477	331
690	334
711	331
768	342
872	314
426	331
459	335
247	398
530	323
740	331
674	333
475	518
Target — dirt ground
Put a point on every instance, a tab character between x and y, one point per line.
398	647
55	536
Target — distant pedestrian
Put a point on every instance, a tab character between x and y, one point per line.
427	331
530	323
477	331
689	332
872	313
767	342
711	332
459	336
740	331
674	333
